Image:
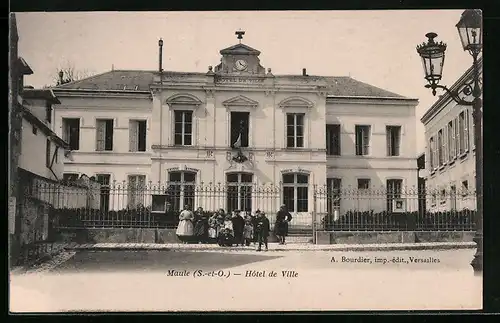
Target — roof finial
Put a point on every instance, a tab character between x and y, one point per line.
240	34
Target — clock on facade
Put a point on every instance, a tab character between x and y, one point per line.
241	65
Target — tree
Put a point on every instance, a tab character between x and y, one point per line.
68	73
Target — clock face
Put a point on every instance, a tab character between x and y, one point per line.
241	65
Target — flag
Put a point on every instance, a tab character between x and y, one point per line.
237	144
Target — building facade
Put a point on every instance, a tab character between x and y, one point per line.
450	152
239	125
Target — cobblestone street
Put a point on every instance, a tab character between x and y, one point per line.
185	280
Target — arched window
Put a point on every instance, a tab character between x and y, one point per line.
239	191
181	189
296	192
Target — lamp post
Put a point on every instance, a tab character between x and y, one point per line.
432	54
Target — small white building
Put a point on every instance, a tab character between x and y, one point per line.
42	151
298	132
450	152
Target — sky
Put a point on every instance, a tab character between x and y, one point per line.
376	47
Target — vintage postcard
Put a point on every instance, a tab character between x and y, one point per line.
245	161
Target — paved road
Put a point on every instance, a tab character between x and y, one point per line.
135	281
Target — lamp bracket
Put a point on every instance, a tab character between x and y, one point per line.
460	94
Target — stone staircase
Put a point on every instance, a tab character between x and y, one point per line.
299	235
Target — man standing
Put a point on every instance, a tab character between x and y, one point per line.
238	225
263	228
281	226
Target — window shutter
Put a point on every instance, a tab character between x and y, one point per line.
431	156
328	140
100	135
473	142
366	140
133	135
397	142
388	134
66	131
454	134
445	144
457	137
466	130
357	143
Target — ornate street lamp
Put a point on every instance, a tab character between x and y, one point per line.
432	54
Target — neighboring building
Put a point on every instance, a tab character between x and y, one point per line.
299	131
449	134
35	155
42	150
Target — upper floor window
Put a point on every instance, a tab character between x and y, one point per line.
183	128
240	122
239	192
295	130
137	135
71	132
333	139
295	192
181	189
393	138
104	135
362	140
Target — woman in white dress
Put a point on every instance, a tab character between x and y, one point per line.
185	228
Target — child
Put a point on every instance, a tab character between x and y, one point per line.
248	232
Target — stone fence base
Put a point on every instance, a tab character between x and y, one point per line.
371	237
114	235
129	235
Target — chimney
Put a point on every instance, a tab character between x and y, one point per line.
304	72
61	75
160	44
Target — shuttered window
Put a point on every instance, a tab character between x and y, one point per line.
393	138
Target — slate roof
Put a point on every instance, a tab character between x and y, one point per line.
347	86
140	80
114	80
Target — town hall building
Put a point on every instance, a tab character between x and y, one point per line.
241	126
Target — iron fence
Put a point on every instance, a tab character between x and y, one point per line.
125	205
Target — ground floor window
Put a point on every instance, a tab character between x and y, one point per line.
333	186
181	189
104	180
296	192
239	192
136	190
394	190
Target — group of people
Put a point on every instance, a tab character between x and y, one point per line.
236	228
